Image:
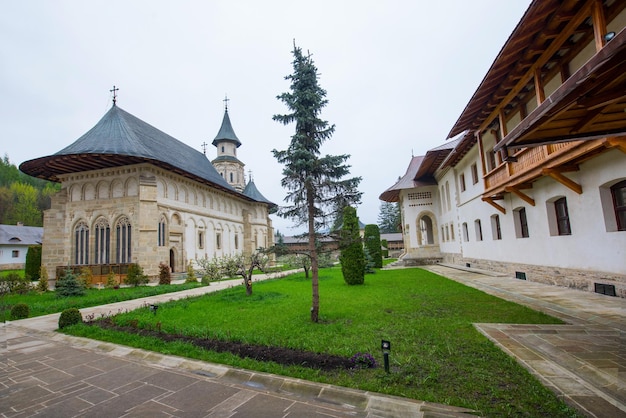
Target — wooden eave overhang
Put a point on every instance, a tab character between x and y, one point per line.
590	104
54	166
549	31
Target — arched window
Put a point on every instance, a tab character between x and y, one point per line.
81	243
103	241
465	232
619	203
478	229
161	232
123	235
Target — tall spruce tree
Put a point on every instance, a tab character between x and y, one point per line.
315	183
389	218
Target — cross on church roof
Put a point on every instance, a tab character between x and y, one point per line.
114	91
226	100
204	145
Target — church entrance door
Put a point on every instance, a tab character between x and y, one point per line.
172	259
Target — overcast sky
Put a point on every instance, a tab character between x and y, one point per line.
398	73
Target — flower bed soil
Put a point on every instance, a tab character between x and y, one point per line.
280	355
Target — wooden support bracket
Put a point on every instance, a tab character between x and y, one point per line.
494	204
520	194
616	142
555	174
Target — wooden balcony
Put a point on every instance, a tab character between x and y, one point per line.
535	162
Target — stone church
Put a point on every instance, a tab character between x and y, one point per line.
133	194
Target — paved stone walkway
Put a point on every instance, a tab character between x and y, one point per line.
53	375
584	361
48	374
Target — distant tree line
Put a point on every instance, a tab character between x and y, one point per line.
23	198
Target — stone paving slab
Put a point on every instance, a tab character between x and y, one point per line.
582	361
110	380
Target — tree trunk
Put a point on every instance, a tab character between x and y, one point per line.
315	303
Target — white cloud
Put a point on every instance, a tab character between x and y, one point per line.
398	74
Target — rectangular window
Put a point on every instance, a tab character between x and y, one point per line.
562	217
15	253
236	241
474	174
218	241
200	239
523	223
495	226
619	204
462	181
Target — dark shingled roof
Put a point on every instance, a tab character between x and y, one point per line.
252	192
226	133
420	171
20	235
119	139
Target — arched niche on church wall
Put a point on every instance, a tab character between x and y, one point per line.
172	190
176	223
117	188
161	189
102	190
75	193
132	187
183	194
89	191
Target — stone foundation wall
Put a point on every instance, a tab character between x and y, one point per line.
12	266
571	278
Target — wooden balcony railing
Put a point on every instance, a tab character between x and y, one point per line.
529	163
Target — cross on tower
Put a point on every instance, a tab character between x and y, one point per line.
226	100
250	175
204	145
114	91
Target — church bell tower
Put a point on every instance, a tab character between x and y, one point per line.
226	163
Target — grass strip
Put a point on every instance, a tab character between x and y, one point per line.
437	355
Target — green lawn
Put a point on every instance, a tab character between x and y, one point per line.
47	303
436	354
7	272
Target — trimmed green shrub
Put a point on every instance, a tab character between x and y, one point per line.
42	285
71	316
371	237
352	257
165	274
135	276
69	285
85	277
111	282
385	246
20	311
33	262
191	274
